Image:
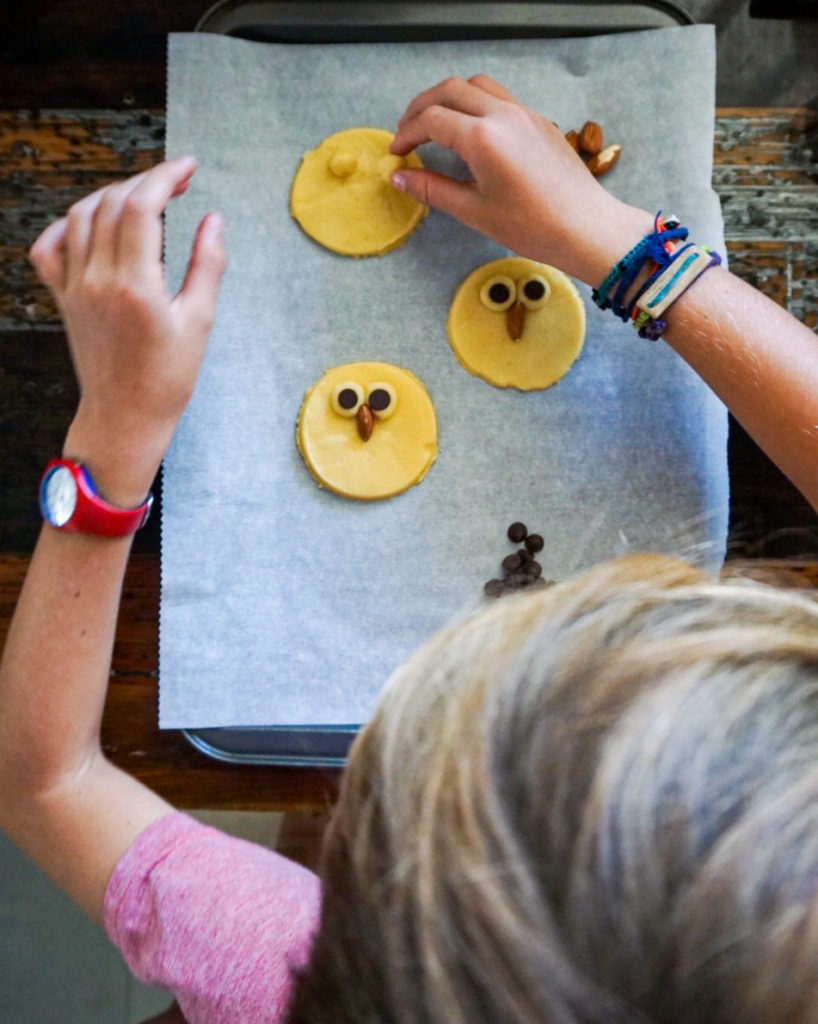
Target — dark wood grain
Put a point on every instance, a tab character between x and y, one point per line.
89	53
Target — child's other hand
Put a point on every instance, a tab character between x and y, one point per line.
136	349
531	191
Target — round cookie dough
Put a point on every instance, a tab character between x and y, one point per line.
342	198
403	440
517	296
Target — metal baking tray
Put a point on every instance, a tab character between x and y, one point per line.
315	22
425	21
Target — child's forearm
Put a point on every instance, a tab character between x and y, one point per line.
136	350
53	679
761	362
55	667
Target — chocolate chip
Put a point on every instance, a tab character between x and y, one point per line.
534	569
517	532
499	293
525	556
541	583
534	543
347	399
493	588
511	563
518	579
379	400
534	290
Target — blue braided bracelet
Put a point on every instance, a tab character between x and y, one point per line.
627	269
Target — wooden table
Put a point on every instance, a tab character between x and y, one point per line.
765	174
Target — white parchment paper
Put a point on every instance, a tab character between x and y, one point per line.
285	604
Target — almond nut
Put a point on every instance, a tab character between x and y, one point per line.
515	321
604	160
365	422
572	138
590	138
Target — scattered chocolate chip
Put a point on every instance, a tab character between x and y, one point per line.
493	588
511	563
520	569
517	532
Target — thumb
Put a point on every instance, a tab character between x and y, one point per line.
457	198
200	289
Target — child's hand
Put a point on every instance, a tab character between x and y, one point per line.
531	192
136	349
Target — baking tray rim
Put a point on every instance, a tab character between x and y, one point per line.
309	15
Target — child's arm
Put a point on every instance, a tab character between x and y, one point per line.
532	193
136	351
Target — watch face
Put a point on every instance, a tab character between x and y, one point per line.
59	497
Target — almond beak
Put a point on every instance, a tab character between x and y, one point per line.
515	321
365	421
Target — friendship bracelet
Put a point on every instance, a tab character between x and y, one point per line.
675	280
653	246
659	269
661	258
674	270
653	329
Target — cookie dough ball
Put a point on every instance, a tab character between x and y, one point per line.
517	324
342	198
367	430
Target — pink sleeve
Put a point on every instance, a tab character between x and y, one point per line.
218	921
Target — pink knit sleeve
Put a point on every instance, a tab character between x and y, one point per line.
218	921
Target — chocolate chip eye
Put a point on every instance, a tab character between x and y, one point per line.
534	291
381	399
498	293
347	398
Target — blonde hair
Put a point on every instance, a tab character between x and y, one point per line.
596	803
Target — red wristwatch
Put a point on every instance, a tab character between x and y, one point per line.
69	501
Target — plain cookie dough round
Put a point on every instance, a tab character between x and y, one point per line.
400	449
551	338
342	198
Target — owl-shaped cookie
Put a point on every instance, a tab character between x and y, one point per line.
517	323
367	430
342	198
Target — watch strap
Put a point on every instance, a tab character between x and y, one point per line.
93	514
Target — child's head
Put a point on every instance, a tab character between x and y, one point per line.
595	803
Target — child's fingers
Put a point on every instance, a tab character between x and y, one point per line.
139	242
196	299
455	93
47	255
457	198
434	124
105	223
489	85
80	229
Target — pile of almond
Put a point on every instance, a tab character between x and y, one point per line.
589	143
